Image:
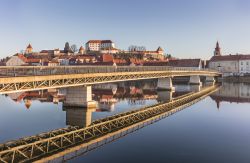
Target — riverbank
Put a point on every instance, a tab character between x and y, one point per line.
237	79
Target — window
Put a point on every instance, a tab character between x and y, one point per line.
241	63
247	63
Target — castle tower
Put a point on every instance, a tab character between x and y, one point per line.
160	50
29	49
217	50
81	50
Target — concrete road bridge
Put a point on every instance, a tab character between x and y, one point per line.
51	145
29	78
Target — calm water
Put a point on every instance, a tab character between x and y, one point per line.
215	129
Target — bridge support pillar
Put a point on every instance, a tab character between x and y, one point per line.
80	97
210	79
165	84
195	80
164	96
77	116
195	87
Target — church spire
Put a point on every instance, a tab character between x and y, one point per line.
217	50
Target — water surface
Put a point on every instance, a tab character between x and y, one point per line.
215	129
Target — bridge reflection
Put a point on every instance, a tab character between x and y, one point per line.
104	96
32	148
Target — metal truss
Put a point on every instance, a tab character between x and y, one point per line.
18	84
46	144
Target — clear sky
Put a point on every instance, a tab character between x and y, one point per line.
183	28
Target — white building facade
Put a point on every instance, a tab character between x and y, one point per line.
244	64
231	65
228	64
97	45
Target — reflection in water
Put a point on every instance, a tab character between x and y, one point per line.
78	116
80	102
233	93
102	127
50	95
114	98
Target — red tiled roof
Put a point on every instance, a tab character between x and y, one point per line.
85	56
230	57
94	41
136	61
47	51
66	57
244	57
36	60
106	41
99	41
184	63
33	60
225	58
161	63
22	57
119	61
107	58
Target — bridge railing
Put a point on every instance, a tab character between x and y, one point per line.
61	70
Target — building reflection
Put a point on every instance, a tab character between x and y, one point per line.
51	95
233	93
100	98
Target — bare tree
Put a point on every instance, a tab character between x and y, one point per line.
74	48
136	48
168	56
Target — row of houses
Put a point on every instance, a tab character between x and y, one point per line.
230	65
93	51
103	60
22	60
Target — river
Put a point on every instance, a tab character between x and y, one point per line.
215	129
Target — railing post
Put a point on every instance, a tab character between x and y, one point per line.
14	73
34	73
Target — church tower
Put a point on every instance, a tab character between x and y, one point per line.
217	50
81	50
29	49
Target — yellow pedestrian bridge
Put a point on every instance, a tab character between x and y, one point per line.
29	78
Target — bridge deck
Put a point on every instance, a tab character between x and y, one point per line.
96	75
35	147
14	71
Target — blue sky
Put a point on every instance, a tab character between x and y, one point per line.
184	28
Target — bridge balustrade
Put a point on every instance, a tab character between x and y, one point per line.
60	70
